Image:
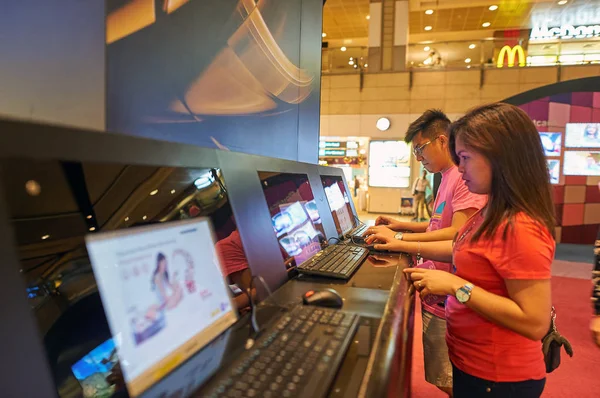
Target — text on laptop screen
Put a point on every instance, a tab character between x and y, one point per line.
294	215
164	295
53	204
339	203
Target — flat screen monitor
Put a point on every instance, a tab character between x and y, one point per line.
581	163
554	170
582	135
94	368
339	203
54	204
163	293
294	215
389	164
551	143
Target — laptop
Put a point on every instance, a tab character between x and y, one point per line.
163	293
346	221
299	229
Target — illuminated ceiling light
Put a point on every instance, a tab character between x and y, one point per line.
172	191
468	66
468	60
485	24
383	124
428	28
472	46
144	218
351	58
126	219
324	34
89	217
427	61
429	12
368	17
355	66
45	237
33	188
343	48
350	62
562	2
366	65
92	229
493	7
426	48
154	192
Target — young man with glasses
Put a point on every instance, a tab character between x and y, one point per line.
453	206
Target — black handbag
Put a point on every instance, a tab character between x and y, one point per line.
551	344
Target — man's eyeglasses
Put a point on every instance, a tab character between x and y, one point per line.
418	150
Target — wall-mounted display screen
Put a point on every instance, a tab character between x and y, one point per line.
389	164
551	143
554	170
582	135
581	163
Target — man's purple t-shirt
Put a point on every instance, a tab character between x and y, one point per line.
453	195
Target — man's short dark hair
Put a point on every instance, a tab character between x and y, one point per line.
430	124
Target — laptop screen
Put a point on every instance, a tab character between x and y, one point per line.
53	204
294	215
339	203
163	293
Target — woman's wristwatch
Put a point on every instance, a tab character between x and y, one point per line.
399	235
463	294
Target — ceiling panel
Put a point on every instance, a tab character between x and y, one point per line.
346	19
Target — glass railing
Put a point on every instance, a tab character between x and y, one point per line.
479	54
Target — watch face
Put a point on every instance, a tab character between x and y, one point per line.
462	296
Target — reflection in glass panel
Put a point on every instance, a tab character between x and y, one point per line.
294	214
54	204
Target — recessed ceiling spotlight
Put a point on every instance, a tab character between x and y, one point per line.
324	34
126	219
429	12
343	48
493	7
350	62
471	46
428	28
366	65
485	24
468	60
154	192
368	17
468	66
45	237
92	229
144	218
172	191
89	217
426	48
562	2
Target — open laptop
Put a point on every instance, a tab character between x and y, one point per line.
346	221
157	320
299	230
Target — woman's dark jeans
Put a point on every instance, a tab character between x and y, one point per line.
467	386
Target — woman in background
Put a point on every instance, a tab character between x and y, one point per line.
169	293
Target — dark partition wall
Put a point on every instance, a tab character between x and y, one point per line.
237	74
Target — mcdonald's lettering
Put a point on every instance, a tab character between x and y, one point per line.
511	53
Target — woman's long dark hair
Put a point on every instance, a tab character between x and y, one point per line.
160	257
509	140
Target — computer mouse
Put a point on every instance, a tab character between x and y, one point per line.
323	298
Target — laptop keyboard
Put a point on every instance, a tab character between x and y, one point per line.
338	261
360	230
298	356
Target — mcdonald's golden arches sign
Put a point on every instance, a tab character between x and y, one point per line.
511	53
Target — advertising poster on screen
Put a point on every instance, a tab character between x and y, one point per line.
582	135
582	163
551	143
554	170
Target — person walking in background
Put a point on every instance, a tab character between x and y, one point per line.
419	188
356	186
